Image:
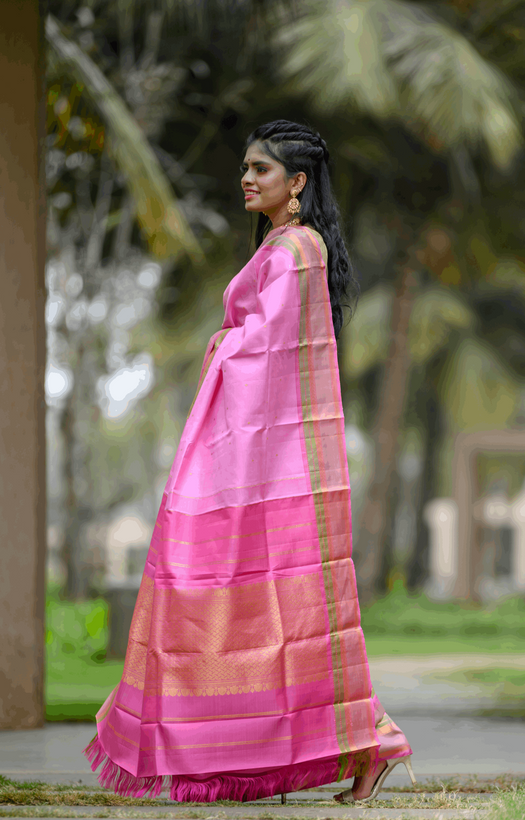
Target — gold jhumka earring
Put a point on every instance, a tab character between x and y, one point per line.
293	207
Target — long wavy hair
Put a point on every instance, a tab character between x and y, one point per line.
298	148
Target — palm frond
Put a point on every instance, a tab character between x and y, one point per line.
436	312
393	60
333	53
157	209
479	391
197	17
366	337
508	275
453	94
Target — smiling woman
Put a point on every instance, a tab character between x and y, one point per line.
266	186
246	672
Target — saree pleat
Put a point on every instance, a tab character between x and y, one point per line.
246	671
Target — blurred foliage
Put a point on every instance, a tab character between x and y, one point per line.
401	613
156	208
78	676
77	629
416	66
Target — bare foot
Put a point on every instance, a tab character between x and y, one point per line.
362	786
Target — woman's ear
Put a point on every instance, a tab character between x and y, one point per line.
299	181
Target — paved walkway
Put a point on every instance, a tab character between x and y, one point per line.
443	747
250	811
419	685
435	714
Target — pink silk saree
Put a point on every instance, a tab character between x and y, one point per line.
246	672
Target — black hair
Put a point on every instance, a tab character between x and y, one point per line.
299	148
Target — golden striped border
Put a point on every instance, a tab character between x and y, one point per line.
305	246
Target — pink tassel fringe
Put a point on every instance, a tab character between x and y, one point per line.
224	786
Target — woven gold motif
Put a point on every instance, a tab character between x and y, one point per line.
232	689
135	663
232	640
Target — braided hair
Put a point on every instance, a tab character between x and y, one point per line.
298	148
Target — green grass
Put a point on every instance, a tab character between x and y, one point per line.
381	645
405	615
13	793
502	798
78	676
410	624
76	687
508	684
509	805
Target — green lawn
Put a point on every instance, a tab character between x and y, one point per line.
78	678
381	645
77	687
509	805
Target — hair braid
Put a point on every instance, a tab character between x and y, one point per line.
299	148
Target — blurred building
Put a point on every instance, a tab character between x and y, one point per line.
477	543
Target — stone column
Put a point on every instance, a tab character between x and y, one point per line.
466	491
518	547
22	366
441	516
464	495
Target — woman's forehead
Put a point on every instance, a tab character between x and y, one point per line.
256	153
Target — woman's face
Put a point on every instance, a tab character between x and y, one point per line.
264	182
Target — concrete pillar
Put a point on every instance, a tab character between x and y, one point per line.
441	516
22	366
518	547
464	495
466	491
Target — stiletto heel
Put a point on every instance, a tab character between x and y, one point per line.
408	766
348	797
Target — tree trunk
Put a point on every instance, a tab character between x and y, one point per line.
78	501
72	524
431	415
376	524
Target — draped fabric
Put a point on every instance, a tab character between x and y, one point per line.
246	672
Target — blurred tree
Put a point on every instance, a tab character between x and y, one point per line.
155	204
103	174
129	124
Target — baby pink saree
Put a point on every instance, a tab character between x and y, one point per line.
246	672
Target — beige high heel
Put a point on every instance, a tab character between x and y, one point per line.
348	797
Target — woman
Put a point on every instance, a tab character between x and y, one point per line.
246	672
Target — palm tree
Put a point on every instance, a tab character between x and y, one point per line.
125	98
155	204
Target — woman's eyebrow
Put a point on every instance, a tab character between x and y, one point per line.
256	162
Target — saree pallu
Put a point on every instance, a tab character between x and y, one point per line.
246	672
